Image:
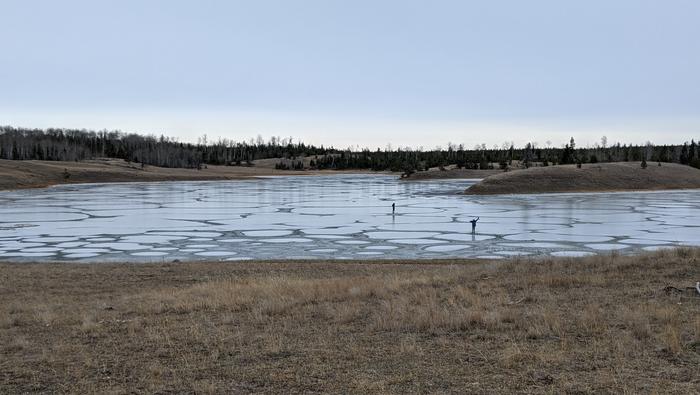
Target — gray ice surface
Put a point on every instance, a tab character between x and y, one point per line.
332	217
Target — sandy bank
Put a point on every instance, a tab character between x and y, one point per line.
39	174
620	176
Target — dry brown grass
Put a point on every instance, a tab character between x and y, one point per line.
621	176
600	324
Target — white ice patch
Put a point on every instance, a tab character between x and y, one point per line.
187	234
417	241
381	248
49	239
344	230
464	237
119	246
16	245
29	254
41	217
150	239
558	237
329	237
399	235
71	244
149	253
85	251
215	253
41	249
643	242
606	246
534	245
448	248
513	253
571	254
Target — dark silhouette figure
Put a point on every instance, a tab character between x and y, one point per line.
474	221
393	208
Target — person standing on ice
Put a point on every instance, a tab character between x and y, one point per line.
474	221
393	208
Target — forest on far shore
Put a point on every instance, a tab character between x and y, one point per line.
79	144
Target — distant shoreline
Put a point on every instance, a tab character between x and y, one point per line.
598	177
31	174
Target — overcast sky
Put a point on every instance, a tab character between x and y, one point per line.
365	73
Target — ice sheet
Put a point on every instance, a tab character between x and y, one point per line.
339	216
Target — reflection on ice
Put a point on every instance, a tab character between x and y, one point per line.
333	217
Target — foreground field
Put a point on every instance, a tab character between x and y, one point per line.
601	324
600	177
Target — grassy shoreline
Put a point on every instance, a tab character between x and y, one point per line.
597	324
600	177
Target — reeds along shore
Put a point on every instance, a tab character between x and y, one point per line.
599	324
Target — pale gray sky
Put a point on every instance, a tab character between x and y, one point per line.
362	73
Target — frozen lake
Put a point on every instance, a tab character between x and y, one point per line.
331	217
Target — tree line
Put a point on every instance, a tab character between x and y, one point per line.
76	145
